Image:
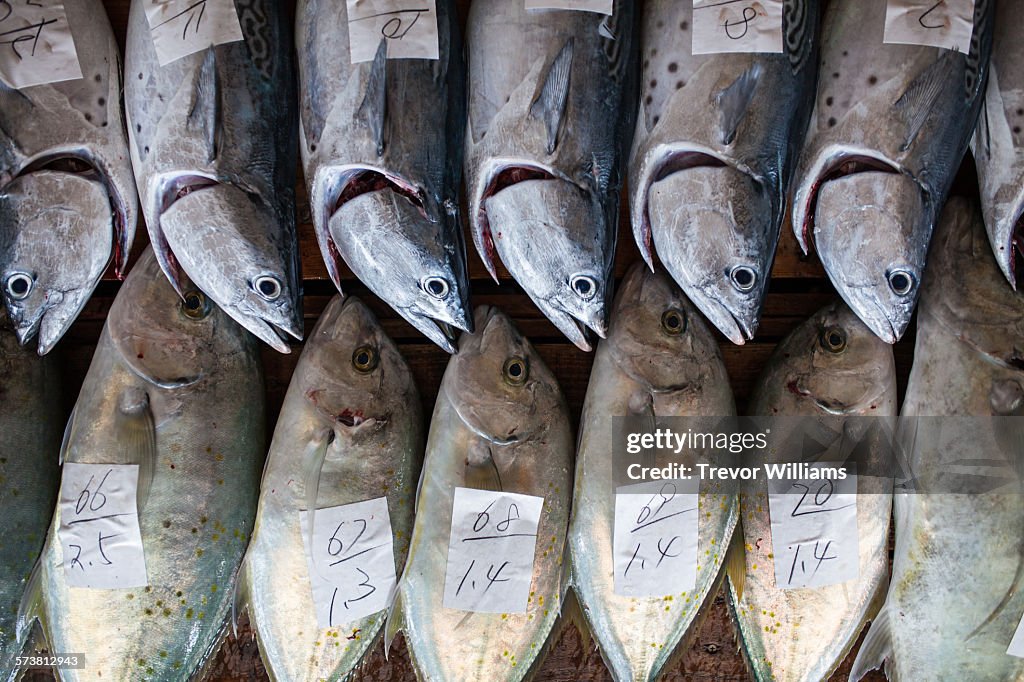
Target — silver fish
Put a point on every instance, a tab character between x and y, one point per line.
383	173
833	370
176	388
955	600
551	109
67	194
500	423
716	141
214	149
350	430
659	359
889	128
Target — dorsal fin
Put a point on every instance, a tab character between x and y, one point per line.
205	113
550	103
374	107
734	101
917	101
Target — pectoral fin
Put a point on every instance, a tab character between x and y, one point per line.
481	469
373	110
550	103
135	434
734	101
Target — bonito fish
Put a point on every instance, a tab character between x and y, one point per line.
67	195
176	388
214	150
500	424
889	129
717	138
383	172
350	430
955	599
834	371
551	114
659	360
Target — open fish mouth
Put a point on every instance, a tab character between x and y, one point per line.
442	333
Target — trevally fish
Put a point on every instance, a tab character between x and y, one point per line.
214	148
552	97
716	141
889	128
176	388
350	430
659	360
500	424
834	371
67	194
954	600
383	172
31	421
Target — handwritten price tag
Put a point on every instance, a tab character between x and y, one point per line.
599	6
183	27
36	46
491	551
946	23
99	526
409	26
737	26
1016	647
351	561
814	530
655	541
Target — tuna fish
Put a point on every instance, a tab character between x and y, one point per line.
67	195
214	149
890	126
551	114
717	138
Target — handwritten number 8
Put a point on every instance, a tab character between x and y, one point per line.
508	520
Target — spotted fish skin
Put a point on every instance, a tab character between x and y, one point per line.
717	139
68	205
889	128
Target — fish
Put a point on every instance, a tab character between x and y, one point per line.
215	149
350	430
382	172
32	424
500	423
552	103
68	205
176	388
889	128
832	371
717	139
954	599
659	360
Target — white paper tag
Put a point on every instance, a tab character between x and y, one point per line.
183	27
351	561
36	46
655	539
99	526
409	26
599	6
491	551
947	23
814	530
1016	647
737	26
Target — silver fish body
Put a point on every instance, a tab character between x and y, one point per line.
350	430
716	141
67	194
383	172
889	128
551	115
660	357
214	149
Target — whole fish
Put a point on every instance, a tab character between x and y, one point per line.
67	194
716	141
32	422
214	148
832	370
500	423
350	430
954	600
551	114
659	360
383	173
176	388
889	128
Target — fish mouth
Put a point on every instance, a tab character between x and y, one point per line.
574	328
737	328
442	333
354	421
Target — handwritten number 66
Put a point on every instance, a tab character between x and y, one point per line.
94	500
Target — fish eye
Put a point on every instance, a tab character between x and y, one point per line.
901	282
833	339
516	371
269	288
584	286
19	285
365	359
743	278
194	305
437	287
673	321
